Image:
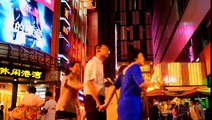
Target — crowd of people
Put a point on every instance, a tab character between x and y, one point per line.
130	105
187	110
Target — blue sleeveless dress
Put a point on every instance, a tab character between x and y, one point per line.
130	102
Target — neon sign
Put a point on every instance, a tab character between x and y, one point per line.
24	73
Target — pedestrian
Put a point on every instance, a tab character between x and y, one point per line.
32	104
184	110
118	82
2	112
112	104
154	114
174	111
131	83
68	100
194	111
94	88
201	111
49	109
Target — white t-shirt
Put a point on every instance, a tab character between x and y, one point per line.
94	70
50	105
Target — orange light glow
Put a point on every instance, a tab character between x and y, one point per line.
178	74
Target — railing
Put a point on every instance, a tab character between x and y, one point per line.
23	54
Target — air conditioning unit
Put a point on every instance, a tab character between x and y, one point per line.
53	76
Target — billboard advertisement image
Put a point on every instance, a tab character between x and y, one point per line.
27	23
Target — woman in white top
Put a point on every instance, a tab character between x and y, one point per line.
66	107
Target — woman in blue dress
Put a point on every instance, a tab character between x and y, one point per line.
131	83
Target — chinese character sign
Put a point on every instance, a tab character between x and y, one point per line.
23	73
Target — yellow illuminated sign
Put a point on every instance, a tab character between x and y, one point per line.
65	30
66	13
20	72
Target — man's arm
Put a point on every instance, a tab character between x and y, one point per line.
93	91
108	100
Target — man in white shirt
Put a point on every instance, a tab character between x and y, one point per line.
94	83
49	109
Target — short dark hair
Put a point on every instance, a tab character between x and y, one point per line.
193	100
98	46
120	70
32	89
133	54
48	93
186	103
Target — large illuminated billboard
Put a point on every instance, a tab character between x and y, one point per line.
27	23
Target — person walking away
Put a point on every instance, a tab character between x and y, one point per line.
49	109
32	104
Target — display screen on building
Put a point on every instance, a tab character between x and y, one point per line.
27	23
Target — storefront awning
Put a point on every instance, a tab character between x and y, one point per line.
160	92
196	92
